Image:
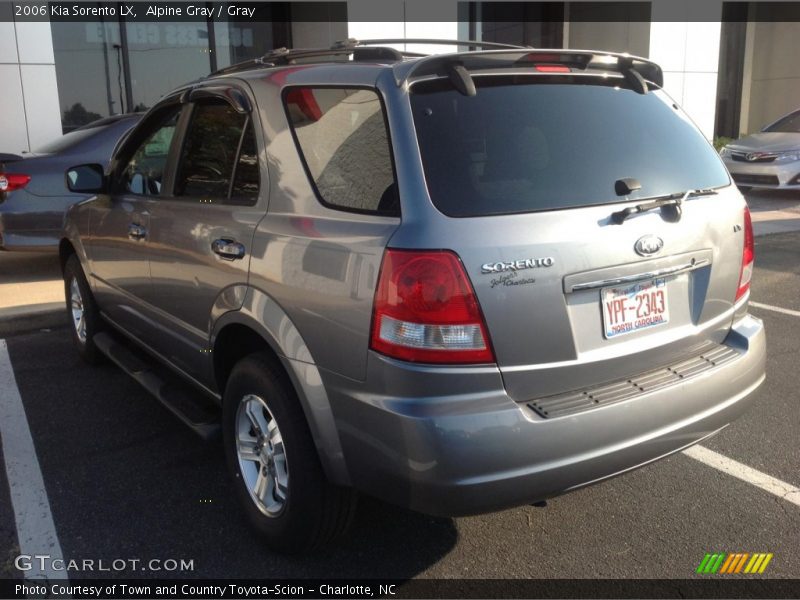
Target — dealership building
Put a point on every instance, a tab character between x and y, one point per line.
732	65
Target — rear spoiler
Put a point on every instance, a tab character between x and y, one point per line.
638	71
7	158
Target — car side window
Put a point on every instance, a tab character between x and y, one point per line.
210	157
342	137
144	172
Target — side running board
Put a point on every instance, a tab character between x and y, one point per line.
186	404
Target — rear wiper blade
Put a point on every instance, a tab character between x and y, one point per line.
670	206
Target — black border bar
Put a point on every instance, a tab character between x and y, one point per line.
745	586
504	11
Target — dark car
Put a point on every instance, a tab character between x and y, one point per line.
33	193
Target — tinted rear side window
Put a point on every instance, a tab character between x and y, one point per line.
341	135
209	151
520	146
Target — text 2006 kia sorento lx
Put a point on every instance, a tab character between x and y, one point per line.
460	282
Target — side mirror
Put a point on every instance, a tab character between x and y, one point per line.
86	179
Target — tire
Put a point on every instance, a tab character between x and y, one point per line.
297	509
82	311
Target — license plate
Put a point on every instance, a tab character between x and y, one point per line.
634	307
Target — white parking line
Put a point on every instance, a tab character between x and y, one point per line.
752	476
36	531
778	309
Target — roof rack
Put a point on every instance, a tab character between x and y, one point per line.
353	43
361	50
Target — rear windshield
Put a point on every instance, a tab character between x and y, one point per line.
788	124
70	139
522	146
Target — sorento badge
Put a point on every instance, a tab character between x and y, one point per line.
518	265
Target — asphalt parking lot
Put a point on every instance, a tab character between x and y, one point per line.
125	479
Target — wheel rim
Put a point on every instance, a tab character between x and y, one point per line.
76	307
262	455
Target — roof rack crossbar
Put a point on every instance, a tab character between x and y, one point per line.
373	49
285	56
352	42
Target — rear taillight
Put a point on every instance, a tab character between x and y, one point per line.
13	181
748	256
426	310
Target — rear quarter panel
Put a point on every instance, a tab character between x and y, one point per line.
319	265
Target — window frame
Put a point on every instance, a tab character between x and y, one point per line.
181	100
249	122
301	155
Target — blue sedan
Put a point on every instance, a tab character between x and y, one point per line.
33	193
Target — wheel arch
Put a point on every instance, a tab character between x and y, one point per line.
65	250
71	243
261	325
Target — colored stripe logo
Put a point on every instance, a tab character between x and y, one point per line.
736	562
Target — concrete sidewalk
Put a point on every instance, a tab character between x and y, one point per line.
766	222
30	285
774	211
34	293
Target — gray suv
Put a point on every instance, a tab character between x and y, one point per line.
459	282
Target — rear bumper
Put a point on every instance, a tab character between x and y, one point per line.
30	223
29	241
451	442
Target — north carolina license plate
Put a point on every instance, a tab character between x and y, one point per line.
634	307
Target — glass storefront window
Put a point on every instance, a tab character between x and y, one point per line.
240	39
163	56
106	68
89	71
236	42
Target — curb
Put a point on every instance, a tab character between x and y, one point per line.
12	313
20	320
779	226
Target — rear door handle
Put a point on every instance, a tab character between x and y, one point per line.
228	249
137	232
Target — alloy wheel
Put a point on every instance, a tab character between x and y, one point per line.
262	455
77	309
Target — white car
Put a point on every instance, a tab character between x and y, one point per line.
768	159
